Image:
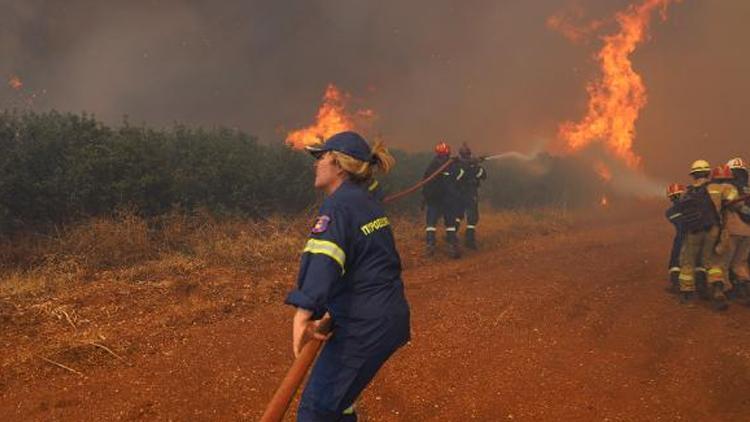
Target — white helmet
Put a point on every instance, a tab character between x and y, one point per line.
737	163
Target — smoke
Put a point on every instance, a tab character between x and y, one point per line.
490	73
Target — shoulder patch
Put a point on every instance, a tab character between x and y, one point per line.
321	224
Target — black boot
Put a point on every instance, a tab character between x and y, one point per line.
741	291
718	297
471	241
430	244
687	298
453	249
674	283
701	286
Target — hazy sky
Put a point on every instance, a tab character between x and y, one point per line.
489	72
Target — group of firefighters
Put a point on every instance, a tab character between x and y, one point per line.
711	247
451	193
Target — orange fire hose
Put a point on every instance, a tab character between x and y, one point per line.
398	195
277	407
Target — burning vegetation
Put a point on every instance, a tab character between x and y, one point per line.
617	97
332	117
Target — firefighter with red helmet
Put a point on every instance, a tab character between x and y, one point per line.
737	228
441	198
674	192
471	174
722	193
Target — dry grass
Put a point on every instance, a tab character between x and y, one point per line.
178	246
96	293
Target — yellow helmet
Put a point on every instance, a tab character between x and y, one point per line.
700	166
737	163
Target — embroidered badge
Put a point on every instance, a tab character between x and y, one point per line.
321	224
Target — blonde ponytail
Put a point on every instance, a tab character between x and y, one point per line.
383	157
362	171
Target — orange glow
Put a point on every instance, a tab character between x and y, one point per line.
604	202
332	118
618	95
568	24
603	171
15	82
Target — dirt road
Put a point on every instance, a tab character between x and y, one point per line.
564	326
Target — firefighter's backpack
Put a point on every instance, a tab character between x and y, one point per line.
694	211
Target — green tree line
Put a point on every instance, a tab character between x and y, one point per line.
57	168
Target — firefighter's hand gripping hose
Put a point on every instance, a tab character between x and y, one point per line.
277	407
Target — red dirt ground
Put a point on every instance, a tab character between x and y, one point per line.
564	326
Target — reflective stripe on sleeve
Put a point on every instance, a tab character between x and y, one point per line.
327	248
686	277
431	229
715	271
450	229
460	174
480	173
700	269
471	226
674	269
373	185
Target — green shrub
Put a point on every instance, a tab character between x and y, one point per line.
60	168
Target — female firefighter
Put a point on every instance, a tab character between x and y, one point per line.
350	271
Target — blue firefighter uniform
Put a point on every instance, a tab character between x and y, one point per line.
442	199
376	191
351	269
470	177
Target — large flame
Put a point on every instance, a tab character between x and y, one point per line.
617	97
332	118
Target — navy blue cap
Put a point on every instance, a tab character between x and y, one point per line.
349	143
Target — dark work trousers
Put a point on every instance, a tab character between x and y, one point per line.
337	378
471	210
434	213
674	257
